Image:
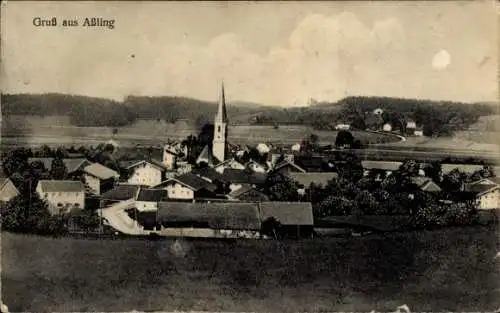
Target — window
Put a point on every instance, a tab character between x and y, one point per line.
76	204
59	204
46	195
59	194
218	129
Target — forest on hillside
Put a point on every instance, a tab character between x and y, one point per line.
437	118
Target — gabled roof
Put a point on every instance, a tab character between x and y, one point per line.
217	215
47	162
287	213
488	181
425	184
100	171
121	192
479	189
61	186
152	195
381	165
208	173
74	165
289	163
4	180
206	156
151	162
306	179
191	181
235	176
228	161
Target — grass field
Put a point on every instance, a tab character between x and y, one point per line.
447	270
58	130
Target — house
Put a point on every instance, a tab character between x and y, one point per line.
387	127
99	178
73	166
188	187
256	167
209	174
487	196
411	125
287	167
380	167
229	163
247	193
62	195
419	132
238	178
342	126
169	158
425	184
120	192
183	167
147	199
7	189
148	173
295	218
318	178
230	220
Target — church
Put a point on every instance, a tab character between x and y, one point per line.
218	153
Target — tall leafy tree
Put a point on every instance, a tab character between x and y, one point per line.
58	170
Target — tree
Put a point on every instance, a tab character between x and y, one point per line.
58	170
333	206
434	171
409	168
344	139
271	227
367	202
281	188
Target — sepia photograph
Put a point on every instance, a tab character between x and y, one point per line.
264	156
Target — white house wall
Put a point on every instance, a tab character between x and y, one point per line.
146	174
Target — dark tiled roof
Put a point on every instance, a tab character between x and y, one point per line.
221	215
287	213
194	182
100	171
121	192
208	172
243	177
306	179
61	186
152	195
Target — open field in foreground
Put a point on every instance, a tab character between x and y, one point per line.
446	270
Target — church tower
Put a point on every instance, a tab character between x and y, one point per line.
220	128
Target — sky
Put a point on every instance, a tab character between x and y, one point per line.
280	53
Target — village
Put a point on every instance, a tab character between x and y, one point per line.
208	187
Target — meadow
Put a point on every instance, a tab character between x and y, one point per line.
53	130
445	270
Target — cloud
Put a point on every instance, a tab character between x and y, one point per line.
326	57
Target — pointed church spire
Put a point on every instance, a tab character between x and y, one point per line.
221	110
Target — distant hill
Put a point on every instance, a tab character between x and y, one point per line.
437	117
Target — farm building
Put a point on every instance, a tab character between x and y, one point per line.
148	173
120	192
62	195
247	192
147	199
188	187
227	219
99	178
